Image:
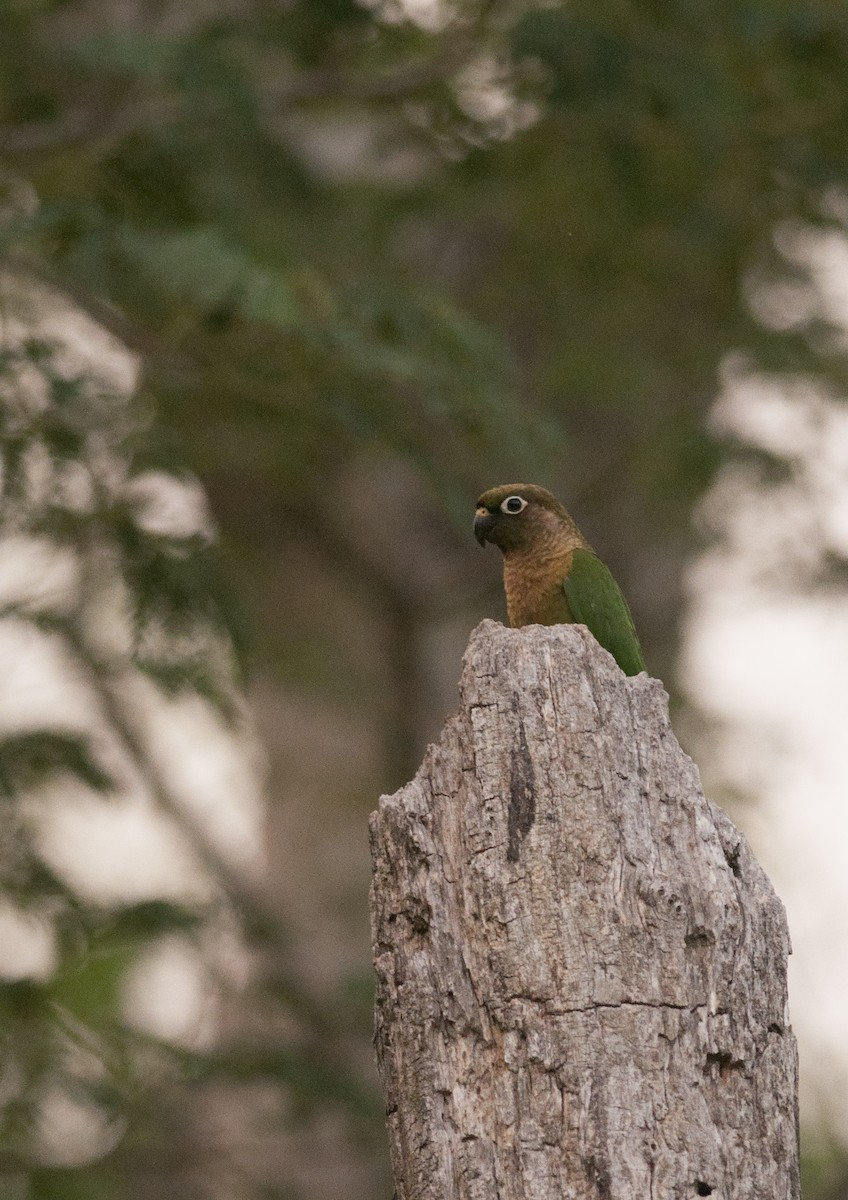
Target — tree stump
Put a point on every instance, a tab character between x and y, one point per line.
581	967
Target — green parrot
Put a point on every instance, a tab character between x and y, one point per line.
552	576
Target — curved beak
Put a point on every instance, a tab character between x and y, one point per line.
483	523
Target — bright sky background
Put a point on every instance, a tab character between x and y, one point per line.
768	663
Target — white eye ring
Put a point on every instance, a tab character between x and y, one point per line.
513	505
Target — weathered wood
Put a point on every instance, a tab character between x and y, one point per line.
581	967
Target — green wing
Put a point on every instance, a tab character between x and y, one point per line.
596	601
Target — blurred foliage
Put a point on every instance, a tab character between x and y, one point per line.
373	259
71	501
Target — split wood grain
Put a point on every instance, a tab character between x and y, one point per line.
581	967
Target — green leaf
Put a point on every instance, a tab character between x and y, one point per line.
29	759
76	1183
134	53
92	990
152	918
203	268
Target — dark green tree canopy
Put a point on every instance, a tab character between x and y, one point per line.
372	257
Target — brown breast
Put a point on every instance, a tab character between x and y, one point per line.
533	587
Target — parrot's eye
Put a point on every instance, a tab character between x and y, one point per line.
513	504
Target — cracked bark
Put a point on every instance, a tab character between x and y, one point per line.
581	969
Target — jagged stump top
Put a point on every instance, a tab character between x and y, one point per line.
581	967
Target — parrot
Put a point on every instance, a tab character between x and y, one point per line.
552	575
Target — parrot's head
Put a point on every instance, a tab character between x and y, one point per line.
517	516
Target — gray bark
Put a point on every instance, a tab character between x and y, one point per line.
581	967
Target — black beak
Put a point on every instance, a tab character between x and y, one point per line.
482	527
